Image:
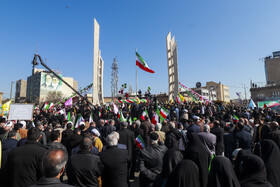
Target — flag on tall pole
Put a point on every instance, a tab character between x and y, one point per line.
142	64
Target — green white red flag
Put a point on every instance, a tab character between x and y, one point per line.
142	64
79	120
140	142
163	113
144	113
90	118
69	116
122	118
155	119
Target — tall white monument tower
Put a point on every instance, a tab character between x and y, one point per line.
172	65
97	93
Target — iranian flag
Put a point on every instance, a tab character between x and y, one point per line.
46	106
90	118
163	113
79	120
69	116
235	118
142	64
272	104
155	119
140	142
122	118
130	120
144	113
51	105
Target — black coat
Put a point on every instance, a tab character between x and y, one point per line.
50	182
253	172
229	145
7	145
198	153
83	169
243	139
65	136
73	142
185	174
127	138
151	159
108	129
219	132
116	162
270	155
172	139
222	173
264	133
23	166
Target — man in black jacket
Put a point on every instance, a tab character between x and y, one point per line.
219	132
243	139
8	145
23	166
84	168
74	140
127	138
116	163
151	159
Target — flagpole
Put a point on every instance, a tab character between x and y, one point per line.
136	77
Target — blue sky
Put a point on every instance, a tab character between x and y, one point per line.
217	40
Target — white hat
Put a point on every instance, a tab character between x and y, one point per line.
9	124
96	132
23	123
82	123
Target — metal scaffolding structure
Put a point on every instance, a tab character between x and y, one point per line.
114	78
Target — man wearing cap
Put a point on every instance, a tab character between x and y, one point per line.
151	158
96	140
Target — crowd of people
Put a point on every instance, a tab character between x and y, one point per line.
196	145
